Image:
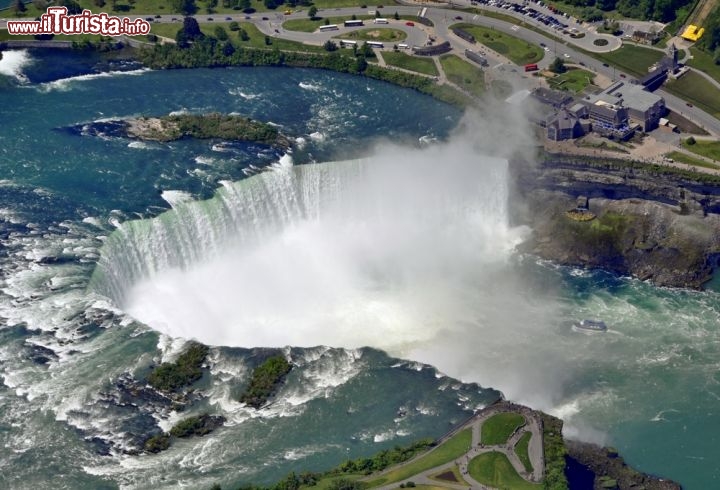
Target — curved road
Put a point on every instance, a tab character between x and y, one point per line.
443	18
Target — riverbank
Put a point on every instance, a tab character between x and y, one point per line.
655	224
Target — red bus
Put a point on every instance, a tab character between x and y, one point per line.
531	67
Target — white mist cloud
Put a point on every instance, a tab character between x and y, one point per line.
411	253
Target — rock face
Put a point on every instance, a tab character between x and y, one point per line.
651	223
599	468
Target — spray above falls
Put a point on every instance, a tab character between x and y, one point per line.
405	251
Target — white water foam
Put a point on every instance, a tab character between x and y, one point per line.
65	84
13	62
309	86
174	197
203	160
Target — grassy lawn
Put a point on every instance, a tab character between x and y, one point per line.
310	25
257	38
375	34
170	29
696	162
685	125
499	427
704	62
412	63
521	449
709	149
494	469
453	448
327	482
463	74
574	80
517	50
631	59
696	89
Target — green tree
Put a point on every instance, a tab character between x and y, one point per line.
19	7
330	45
558	66
220	33
72	6
268	41
191	28
234	26
228	49
396	16
312	12
99	3
185	7
690	141
243	35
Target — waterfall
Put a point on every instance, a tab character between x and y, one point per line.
354	242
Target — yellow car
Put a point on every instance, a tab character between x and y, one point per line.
288	12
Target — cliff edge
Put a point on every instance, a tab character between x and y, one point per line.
649	222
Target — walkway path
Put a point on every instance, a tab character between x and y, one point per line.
535	451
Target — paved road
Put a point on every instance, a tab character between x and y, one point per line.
443	18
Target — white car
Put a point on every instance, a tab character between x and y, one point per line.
566	55
547	50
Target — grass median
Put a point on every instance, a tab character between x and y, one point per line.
698	90
516	50
412	63
451	449
463	74
494	469
499	427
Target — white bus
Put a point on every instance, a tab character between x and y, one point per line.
354	23
350	44
330	27
380	21
375	44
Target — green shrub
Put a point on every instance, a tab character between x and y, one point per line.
157	443
171	376
265	380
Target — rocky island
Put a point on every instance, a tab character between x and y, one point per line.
230	127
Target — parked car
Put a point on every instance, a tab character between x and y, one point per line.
411	24
458	17
265	18
228	18
622	75
688	104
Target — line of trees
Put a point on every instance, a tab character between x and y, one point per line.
660	10
711	39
